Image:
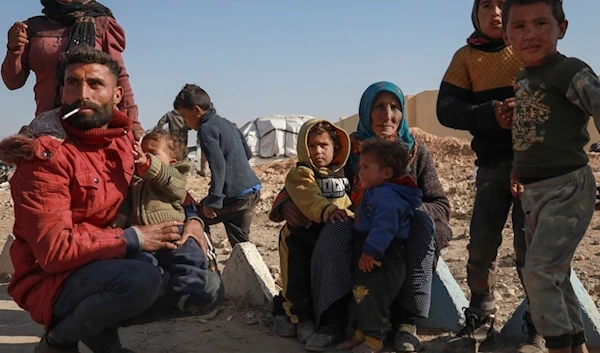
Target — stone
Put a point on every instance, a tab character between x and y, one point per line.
447	301
247	277
6	266
591	317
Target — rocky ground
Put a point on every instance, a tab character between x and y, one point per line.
242	329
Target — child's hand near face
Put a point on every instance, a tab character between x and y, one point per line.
338	215
139	156
366	263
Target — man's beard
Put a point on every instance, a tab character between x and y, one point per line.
101	116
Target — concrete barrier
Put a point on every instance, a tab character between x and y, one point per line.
247	277
591	317
447	301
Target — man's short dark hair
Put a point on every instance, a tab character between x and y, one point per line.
392	154
190	96
555	5
84	54
175	143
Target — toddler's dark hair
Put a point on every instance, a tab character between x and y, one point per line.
326	127
392	154
175	143
555	5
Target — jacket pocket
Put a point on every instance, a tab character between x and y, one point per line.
86	193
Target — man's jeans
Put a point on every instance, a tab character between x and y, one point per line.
107	293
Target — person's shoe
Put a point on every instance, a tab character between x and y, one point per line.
477	330
406	339
283	327
304	330
324	338
44	347
107	341
535	341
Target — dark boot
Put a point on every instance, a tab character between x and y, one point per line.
535	341
107	341
44	347
478	329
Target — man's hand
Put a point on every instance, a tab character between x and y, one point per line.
293	215
338	215
366	263
208	212
194	228
139	156
17	36
160	236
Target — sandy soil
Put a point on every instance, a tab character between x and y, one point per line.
239	328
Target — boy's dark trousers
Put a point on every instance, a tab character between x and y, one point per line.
493	200
184	269
375	291
236	215
296	247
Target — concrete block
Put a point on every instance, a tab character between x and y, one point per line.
6	266
591	318
247	277
447	301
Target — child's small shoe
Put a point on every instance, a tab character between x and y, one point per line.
324	338
283	327
305	330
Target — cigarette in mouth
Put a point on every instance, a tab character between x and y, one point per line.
72	112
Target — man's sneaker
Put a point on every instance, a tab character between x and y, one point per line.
476	331
406	339
535	341
305	330
283	327
43	347
324	338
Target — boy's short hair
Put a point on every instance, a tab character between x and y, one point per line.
175	143
85	54
555	5
392	154
326	127
190	96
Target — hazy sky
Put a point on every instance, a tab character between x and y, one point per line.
260	57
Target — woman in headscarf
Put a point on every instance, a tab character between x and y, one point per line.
37	43
381	114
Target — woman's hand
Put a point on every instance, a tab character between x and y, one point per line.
293	215
338	215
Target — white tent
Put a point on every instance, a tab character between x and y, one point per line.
274	135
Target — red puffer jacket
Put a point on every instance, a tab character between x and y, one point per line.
65	194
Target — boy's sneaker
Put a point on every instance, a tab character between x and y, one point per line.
305	330
283	326
477	330
324	339
406	339
535	341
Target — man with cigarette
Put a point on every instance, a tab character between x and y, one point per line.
72	272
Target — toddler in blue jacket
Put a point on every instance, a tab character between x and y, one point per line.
382	222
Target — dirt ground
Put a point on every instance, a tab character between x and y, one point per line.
239	328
